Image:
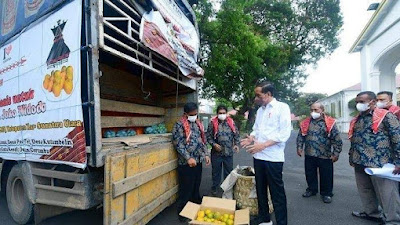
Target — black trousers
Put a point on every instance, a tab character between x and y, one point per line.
312	166
269	174
220	163
189	184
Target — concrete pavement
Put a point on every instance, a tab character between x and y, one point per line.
301	211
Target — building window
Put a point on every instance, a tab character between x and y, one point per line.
340	109
333	109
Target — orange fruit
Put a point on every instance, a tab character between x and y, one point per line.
57	90
50	85
70	73
68	86
46	81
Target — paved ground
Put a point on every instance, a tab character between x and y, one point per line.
301	211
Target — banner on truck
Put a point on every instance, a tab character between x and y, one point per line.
17	14
41	115
170	33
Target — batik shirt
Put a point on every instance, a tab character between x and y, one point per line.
195	148
225	137
318	143
374	150
394	109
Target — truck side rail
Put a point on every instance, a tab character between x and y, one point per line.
119	25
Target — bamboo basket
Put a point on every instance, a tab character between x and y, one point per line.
241	193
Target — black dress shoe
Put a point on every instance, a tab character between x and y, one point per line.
308	194
326	199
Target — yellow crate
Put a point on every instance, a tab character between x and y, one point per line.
139	183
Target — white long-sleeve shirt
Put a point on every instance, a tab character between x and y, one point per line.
272	123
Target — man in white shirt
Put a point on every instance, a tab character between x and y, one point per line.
267	142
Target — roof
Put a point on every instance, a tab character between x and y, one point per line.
372	24
356	87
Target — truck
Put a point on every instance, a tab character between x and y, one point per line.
89	93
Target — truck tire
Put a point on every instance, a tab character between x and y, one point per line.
21	209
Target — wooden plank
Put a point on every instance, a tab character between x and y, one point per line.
129	141
117	173
120	85
111	121
132	197
107	194
157	210
58	175
139	215
123	186
110	105
151	156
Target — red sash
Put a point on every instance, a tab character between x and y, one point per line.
229	120
377	117
305	125
394	109
188	132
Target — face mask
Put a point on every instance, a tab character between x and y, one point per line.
315	115
381	105
192	118
221	116
260	100
362	107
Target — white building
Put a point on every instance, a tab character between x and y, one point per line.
336	105
379	47
206	111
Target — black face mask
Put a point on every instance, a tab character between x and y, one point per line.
259	101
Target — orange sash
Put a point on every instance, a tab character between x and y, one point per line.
394	109
305	125
229	120
188	132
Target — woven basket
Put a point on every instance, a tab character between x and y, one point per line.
241	193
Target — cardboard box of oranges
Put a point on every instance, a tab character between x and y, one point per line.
215	211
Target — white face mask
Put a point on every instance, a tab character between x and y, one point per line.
381	104
362	107
221	116
315	115
192	118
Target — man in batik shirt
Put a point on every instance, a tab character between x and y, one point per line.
223	136
385	101
318	135
190	143
375	141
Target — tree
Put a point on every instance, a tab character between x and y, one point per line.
306	28
252	40
301	106
352	107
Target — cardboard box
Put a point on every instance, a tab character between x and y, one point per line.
242	217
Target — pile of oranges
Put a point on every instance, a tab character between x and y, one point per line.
215	217
59	80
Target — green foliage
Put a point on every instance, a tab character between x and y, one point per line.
251	40
301	106
306	28
352	106
222	101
